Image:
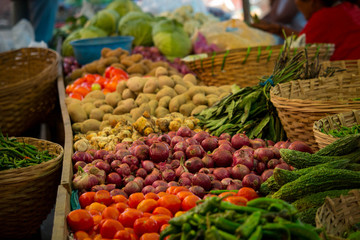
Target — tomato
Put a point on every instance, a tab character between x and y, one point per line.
76	96
100	80
247	193
79	81
108	71
97	219
90	78
122	234
135	199
111	212
81	90
86	199
69	88
80	220
117	78
175	189
171	202
121	206
162	210
119	198
118	72
111	86
179	213
237	200
130	230
147	205
162	228
106	91
103	196
97	206
183	194
128	217
145	225
110	227
189	202
161	219
152	195
81	235
150	236
160	194
227	194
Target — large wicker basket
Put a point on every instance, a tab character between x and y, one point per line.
28	194
245	66
300	103
337	215
28	88
347	119
349	66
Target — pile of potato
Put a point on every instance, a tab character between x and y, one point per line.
133	64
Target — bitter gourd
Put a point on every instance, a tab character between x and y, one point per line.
318	181
342	146
270	185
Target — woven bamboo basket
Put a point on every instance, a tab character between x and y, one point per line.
349	66
245	66
300	103
347	119
28	194
337	215
28	88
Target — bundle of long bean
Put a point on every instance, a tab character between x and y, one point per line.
14	154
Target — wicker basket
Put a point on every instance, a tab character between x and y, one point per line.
28	88
347	119
302	102
28	194
337	215
244	66
350	66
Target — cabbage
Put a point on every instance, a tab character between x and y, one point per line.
138	25
92	32
122	7
170	38
105	19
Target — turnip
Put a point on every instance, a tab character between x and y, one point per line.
187	175
184	131
181	146
221	173
159	189
82	156
175	164
198	191
284	166
121	153
252	180
266	174
191	141
109	157
123	145
114	178
216	185
176	140
173	184
104	166
300	146
194	164
222	158
178	155
123	170
79	163
141	172
117	191
239	171
147	165
225	136
194	151
150	179
243	157
142	152
165	138
272	163
209	144
264	154
159	183
132	187
200	136
255	144
239	140
148	189
99	154
159	152
184	181
168	175
260	167
208	161
204	170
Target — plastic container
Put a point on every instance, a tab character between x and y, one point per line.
89	49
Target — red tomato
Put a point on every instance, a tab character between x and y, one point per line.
145	225
227	194
69	88
117	78
110	227
152	195
147	205
237	200
90	78
76	96
150	236
86	199
247	193
111	85
128	217
161	219
164	226
79	81
118	72
83	91
80	220
103	197
81	235
163	211
189	202
111	213
108	71
119	198
183	194
171	202
121	206
106	91
122	234
100	80
135	199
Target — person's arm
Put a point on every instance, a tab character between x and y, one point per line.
282	11
275	28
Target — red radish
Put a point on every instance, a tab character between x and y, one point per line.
123	145
188	175
171	134
252	180
121	153
194	164
114	178
260	167
159	152
99	154
132	187
82	156
148	189
198	191
173	183
159	189
140	181
285	145
191	141
168	175
103	166
208	161
150	179
148	165
209	144
109	157
175	140
255	144
141	172
264	154
194	151
266	174
200	136
239	140
159	183
284	166
79	163
225	136
181	146
247	149
142	152
300	146
117	191
216	185
243	157
204	170
239	171
123	170
165	138
278	144
178	155
221	173
276	152
184	181
184	131
222	158
270	143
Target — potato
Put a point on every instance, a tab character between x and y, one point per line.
136	68
151	85
164	101
121	86
90	125
145	107
88	107
98	94
77	113
100	68
211	90
155	65
118	65
178	80
191	78
161	112
127	62
97	114
136	84
225	88
224	94
115	52
99	102
77	73
161	71
113	98
88	100
142	98
106	116
151	73
104	51
127	93
136	57
151	96
176	102
104	124
136	113
91	67
153	105
198	109
69	100
212	101
166	81
200	99
187	108
124	106
189	84
180	89
165	91
211	96
110	60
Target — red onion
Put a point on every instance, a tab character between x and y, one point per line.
159	152
114	178
239	140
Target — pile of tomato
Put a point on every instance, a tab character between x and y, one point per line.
139	217
89	82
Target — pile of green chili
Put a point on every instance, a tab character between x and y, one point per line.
342	131
15	154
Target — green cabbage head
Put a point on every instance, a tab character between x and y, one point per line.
122	7
171	39
106	19
138	25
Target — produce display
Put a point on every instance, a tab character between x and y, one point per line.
342	131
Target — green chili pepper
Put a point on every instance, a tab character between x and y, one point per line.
245	230
169	230
240	209
225	224
257	235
